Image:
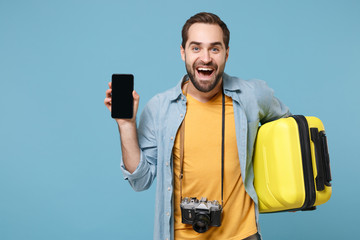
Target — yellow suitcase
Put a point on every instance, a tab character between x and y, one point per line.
291	165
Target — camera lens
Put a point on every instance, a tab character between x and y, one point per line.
201	222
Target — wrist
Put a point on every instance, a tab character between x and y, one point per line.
125	124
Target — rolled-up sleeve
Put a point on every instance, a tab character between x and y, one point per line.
272	107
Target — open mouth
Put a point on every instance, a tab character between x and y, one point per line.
205	72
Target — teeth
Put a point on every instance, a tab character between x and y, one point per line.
204	69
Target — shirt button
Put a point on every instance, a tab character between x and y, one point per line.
181	115
167	164
167	214
167	239
182	98
169	188
172	138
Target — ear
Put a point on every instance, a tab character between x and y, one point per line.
227	54
182	52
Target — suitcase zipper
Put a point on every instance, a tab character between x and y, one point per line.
310	195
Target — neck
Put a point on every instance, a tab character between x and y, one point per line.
203	96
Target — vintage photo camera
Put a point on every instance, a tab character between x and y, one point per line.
201	213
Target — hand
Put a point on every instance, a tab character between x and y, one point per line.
136	98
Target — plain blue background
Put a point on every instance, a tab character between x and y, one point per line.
60	150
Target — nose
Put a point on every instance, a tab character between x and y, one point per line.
206	58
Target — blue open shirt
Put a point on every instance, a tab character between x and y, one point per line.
253	103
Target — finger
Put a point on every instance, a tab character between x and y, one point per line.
110	85
136	101
108	93
136	96
107	102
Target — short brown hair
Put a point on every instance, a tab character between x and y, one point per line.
205	17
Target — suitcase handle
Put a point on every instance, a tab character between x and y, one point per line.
325	151
322	159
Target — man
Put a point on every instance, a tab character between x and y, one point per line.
155	149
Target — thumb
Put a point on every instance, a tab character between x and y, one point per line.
136	101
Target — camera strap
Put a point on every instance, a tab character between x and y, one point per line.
182	140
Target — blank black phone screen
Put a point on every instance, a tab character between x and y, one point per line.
122	100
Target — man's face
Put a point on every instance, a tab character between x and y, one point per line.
205	55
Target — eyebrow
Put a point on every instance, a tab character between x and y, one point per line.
212	44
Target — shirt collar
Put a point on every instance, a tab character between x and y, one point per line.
231	83
176	92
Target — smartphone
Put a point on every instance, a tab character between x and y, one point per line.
122	102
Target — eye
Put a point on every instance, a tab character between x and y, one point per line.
195	49
215	50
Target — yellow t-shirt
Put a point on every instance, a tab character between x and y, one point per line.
202	171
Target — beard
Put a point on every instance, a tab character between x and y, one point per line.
208	85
